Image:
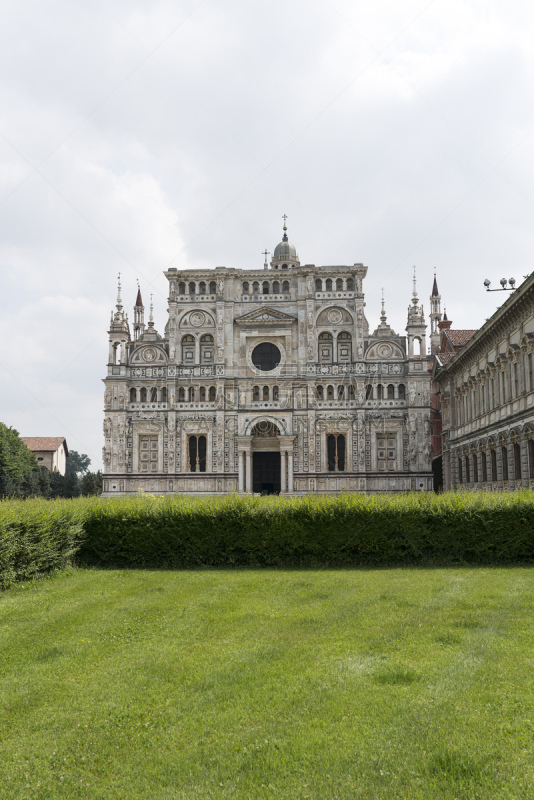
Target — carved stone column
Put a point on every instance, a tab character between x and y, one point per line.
283	472
241	462
248	458
290	472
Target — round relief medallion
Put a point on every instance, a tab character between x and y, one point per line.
149	354
335	316
385	350
197	319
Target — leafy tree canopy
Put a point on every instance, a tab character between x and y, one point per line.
77	463
15	458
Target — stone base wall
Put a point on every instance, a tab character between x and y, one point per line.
303	483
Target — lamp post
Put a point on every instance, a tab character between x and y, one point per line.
504	287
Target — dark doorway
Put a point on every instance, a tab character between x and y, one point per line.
266	473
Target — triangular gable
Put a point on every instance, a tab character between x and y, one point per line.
265	316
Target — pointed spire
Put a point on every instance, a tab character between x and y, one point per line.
435	292
383	317
139	301
284	237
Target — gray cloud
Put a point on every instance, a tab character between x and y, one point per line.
390	133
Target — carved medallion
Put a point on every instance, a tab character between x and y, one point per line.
385	350
197	319
335	316
149	354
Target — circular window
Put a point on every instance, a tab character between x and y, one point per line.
266	356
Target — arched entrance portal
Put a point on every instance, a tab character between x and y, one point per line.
266	461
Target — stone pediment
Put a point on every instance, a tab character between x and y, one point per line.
265	316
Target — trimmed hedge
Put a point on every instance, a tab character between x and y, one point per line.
37	536
184	532
472	528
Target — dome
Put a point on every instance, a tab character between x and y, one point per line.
285	249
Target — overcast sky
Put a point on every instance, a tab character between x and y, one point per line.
135	136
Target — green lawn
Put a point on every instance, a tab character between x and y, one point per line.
406	683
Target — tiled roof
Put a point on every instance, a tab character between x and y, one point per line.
43	443
459	338
444	358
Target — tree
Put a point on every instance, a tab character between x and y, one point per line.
92	483
77	463
15	458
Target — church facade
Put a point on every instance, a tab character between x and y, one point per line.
266	381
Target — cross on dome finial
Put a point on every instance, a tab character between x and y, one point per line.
415	299
151	316
284	217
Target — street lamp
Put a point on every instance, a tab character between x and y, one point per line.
503	283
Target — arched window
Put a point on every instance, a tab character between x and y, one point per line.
517	461
197	453
133	395
245	287
202	287
265	392
379	391
351	392
188	349
339	285
493	456
475	468
344	347
341	392
504	456
213	394
163	395
484	467
402	391
460	475
285	287
265	287
369	392
192	288
284	266
276	287
202	392
181	395
391	392
153	395
328	285
181	288
335	448
276	393
213	287
255	287
142	395
191	394
318	285
330	392
206	349
320	392
350	285
417	350
255	394
326	348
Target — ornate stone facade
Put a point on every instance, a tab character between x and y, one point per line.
487	400
266	381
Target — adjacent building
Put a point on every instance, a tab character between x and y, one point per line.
51	451
486	386
266	381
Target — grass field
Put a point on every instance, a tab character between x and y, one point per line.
407	683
